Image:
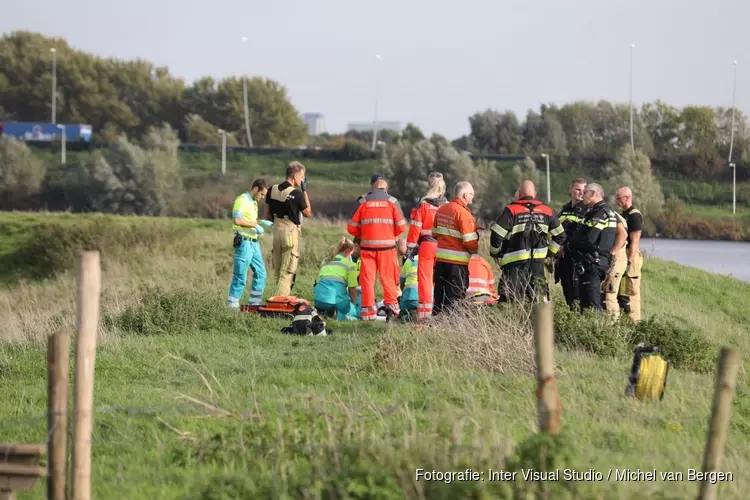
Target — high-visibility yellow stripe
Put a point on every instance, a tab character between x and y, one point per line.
501	231
453	256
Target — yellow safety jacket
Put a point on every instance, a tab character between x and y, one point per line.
245	207
409	274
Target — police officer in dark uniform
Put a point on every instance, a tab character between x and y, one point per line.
570	216
590	246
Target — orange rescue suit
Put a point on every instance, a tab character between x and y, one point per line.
481	281
420	235
377	223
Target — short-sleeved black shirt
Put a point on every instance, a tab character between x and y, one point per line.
634	219
291	208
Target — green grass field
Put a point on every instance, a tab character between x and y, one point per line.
194	401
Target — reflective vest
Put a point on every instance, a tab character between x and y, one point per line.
409	273
570	216
377	222
596	234
481	278
526	230
342	270
245	207
422	221
456	233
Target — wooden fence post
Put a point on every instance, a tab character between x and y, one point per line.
726	378
89	287
58	359
549	406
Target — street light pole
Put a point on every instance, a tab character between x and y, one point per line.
734	188
632	141
377	97
244	98
223	151
54	84
62	144
549	191
734	93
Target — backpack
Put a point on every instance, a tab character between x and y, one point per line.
281	306
307	321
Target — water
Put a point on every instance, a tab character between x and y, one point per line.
730	258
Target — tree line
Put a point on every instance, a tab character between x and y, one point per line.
129	97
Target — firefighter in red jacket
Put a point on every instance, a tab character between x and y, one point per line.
421	242
377	223
457	240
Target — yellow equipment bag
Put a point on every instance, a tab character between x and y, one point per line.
648	375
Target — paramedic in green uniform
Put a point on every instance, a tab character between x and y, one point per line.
247	251
336	288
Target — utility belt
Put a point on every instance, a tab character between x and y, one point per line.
583	262
239	237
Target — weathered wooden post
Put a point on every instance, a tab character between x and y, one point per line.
58	359
89	287
549	406
19	468
726	379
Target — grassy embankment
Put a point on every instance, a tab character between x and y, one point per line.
194	401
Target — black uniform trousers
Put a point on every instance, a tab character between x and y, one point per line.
451	283
523	281
565	269
591	287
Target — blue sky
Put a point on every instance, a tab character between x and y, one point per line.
442	60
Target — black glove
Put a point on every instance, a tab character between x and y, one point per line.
303	186
412	252
627	268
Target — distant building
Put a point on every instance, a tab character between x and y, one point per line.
314	122
369	126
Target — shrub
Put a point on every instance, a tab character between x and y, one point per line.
183	311
591	332
680	344
21	173
54	248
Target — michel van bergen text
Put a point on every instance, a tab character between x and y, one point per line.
573	475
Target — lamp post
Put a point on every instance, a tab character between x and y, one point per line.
223	151
244	98
54	84
632	141
734	93
63	140
734	188
549	191
377	96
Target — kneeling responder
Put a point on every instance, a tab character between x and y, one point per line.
481	282
590	246
570	217
286	202
377	222
336	289
409	300
629	296
617	266
526	232
247	251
